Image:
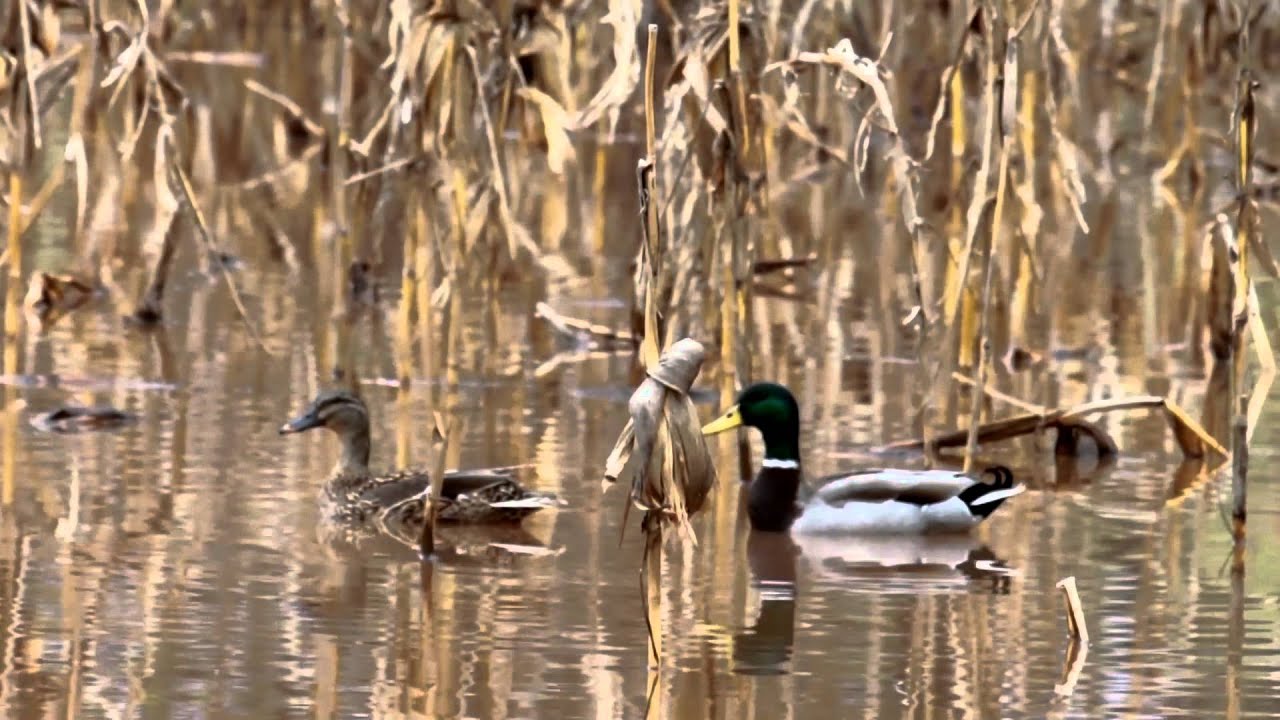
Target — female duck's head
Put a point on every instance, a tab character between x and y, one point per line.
771	409
345	415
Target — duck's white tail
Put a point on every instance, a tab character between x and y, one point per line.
998	495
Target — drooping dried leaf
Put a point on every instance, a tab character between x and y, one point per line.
75	153
518	237
582	331
620	455
623	17
1221	291
554	120
166	204
8	68
31	108
698	81
398	28
864	70
1192	438
795	121
410	58
1266	361
673	468
944	90
124	65
645	407
1067	155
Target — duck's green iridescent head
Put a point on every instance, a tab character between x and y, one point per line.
771	409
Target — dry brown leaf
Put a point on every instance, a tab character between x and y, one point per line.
790	117
623	17
1191	436
410	57
166	204
864	70
477	216
620	455
50	29
75	153
1221	291
518	237
554	120
398	27
124	65
1067	154
673	468
694	71
579	329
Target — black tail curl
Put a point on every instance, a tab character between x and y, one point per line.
1003	481
1003	476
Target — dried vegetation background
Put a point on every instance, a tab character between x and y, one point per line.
991	162
447	138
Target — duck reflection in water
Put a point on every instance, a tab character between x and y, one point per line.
765	647
914	564
909	563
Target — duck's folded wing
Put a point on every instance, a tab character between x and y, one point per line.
470	481
396	487
403	518
917	487
404	493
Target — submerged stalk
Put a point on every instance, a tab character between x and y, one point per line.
11	321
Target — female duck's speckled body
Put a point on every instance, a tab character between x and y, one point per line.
863	502
354	495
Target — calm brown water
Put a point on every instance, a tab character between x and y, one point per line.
171	569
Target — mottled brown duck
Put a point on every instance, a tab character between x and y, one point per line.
353	494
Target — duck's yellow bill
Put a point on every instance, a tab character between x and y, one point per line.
728	421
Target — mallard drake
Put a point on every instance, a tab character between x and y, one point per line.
354	494
879	501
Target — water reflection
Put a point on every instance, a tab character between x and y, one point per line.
914	564
764	648
135	561
873	565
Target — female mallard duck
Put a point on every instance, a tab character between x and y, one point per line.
862	502
356	495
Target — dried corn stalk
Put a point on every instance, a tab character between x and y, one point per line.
1192	438
673	470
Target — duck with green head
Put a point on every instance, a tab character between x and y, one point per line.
879	501
354	494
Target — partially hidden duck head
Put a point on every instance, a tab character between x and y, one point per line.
771	409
